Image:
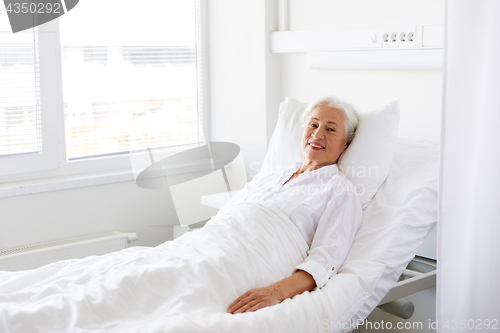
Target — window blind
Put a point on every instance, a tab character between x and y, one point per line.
127	90
20	118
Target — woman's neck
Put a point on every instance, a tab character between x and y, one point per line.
309	166
306	166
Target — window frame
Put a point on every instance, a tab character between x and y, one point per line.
52	161
48	157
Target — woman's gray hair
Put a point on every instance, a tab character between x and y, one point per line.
349	111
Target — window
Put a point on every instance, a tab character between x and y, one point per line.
20	125
25	145
113	84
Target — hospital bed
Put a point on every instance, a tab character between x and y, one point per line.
395	224
400	211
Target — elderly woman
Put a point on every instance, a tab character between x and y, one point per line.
317	198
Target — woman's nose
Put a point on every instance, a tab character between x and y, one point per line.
319	133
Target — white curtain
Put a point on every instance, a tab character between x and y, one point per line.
468	284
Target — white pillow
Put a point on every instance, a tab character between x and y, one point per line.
284	148
365	163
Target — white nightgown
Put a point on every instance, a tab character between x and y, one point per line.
323	206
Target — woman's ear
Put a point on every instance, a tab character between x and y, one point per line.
346	146
343	151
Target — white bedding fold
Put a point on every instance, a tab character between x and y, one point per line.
184	285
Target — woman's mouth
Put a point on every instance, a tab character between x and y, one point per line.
315	146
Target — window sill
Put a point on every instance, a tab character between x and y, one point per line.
68	182
64	183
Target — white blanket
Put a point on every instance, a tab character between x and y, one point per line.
184	285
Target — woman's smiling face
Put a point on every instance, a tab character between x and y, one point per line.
323	139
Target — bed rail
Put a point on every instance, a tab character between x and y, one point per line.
419	275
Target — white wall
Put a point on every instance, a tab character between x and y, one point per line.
56	215
419	92
42	217
244	76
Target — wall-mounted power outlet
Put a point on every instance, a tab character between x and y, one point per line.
385	37
399	36
407	37
389	39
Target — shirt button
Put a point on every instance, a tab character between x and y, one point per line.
333	268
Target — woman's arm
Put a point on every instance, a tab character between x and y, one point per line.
259	298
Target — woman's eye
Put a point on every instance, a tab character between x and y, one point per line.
313	125
331	129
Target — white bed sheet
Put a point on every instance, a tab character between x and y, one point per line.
400	217
184	285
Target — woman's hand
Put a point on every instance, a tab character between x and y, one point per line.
259	298
255	299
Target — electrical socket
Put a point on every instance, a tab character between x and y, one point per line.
385	38
399	37
389	39
408	40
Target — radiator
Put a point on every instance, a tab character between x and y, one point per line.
37	255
